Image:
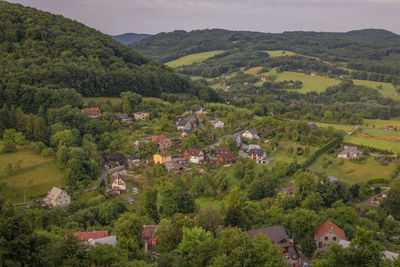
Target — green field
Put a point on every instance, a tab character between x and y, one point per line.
350	172
281	153
37	175
340	127
395	122
378	132
194	58
375	143
310	83
280	53
209	202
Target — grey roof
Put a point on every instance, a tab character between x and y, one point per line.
133	157
188	131
333	179
197	108
352	149
123	116
109	240
183	122
191	119
259	152
276	233
252	132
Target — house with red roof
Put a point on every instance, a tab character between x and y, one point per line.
162	141
85	236
328	233
92	113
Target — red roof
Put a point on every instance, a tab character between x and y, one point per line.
326	227
85	236
91	111
159	138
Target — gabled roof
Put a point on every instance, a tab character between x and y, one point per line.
352	149
183	122
148	231
194	151
198	108
252	132
55	192
326	227
85	236
120	176
109	240
91	111
113	156
259	152
276	233
164	154
133	157
123	116
159	138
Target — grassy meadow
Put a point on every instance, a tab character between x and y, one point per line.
351	172
194	58
372	142
280	53
36	176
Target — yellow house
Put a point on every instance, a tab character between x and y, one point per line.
162	158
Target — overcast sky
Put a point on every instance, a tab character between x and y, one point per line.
154	16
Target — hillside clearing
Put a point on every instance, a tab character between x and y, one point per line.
374	143
37	175
194	58
280	53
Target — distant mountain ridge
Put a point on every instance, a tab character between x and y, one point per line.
130	38
165	47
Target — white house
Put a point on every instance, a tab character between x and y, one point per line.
118	183
250	134
216	123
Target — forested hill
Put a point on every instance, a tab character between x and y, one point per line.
366	44
39	50
130	38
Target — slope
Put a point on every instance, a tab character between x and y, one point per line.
130	38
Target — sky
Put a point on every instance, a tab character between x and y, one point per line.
153	16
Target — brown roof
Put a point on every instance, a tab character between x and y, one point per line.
195	151
85	236
159	138
276	233
221	150
148	231
91	111
164	154
326	227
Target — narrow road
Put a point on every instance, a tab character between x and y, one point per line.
369	201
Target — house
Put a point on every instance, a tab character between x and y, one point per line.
118	183
277	234
149	237
219	150
194	155
92	113
313	126
57	197
227	88
85	236
350	152
186	133
251	146
237	137
174	167
198	110
216	123
183	124
124	117
133	160
162	141
227	159
250	134
116	157
259	156
162	158
263	79
326	234
141	116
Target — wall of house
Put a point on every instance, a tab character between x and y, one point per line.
326	239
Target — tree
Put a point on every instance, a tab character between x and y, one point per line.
285	201
174	199
305	184
308	246
8	146
128	229
235	211
148	204
303	222
190	141
392	201
197	246
209	219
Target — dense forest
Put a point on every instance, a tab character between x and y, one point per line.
41	51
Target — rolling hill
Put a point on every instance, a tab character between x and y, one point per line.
42	51
130	38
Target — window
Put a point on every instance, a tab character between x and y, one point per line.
320	244
334	238
326	238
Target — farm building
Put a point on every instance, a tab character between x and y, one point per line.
350	152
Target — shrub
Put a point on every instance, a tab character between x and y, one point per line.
8	146
48	152
38	147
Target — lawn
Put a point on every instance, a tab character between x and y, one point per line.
350	172
281	153
280	53
310	83
375	143
209	202
340	127
395	122
194	58
37	175
253	71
